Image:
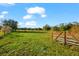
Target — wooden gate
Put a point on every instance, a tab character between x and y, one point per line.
66	37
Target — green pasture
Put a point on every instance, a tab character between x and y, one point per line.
1	33
34	44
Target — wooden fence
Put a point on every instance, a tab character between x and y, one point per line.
67	38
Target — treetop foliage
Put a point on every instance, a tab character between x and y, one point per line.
11	23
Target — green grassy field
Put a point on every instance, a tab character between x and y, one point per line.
33	44
1	34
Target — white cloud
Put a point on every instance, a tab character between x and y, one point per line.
30	23
19	23
1	16
4	12
43	16
27	17
36	10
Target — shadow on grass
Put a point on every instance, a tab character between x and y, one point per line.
1	37
31	32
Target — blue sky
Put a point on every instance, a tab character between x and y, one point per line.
39	14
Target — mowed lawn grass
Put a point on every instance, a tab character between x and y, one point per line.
33	44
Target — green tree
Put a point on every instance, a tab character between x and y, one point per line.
65	27
56	28
0	27
75	23
46	27
11	23
68	26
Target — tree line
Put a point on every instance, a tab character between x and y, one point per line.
12	25
65	27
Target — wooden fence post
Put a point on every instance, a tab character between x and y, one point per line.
65	39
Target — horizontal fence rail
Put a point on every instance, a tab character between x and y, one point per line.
69	39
